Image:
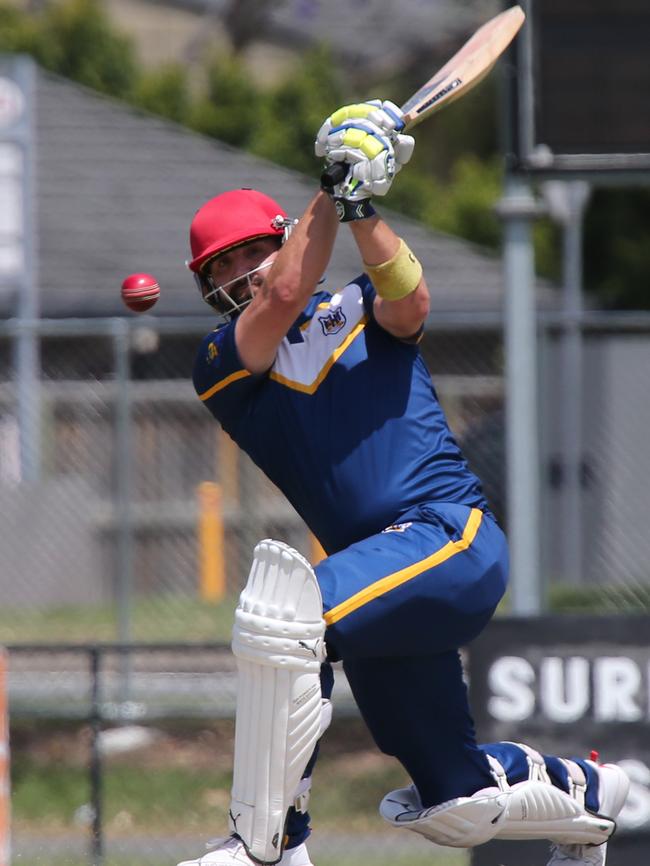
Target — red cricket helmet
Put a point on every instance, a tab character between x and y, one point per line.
230	219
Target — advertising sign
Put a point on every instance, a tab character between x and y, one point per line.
567	685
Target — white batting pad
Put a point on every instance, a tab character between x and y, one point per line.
460	823
278	639
540	811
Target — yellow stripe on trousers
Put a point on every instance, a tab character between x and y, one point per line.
380	587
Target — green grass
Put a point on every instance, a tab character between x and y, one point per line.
159	618
163	800
47	797
176	800
180	783
179	788
453	858
628	598
170	617
607	599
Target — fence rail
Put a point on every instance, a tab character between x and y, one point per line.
104	454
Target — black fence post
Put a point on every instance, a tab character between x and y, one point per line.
97	835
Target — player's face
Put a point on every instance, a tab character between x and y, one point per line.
239	273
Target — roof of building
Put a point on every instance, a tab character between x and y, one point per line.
116	190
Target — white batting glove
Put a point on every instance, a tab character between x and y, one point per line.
384	114
365	136
389	118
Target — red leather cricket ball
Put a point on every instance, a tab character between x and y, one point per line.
140	292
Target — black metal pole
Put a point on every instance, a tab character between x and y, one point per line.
97	837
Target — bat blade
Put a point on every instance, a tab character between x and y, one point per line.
466	68
458	76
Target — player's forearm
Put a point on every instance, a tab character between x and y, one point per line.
378	244
303	259
291	280
376	240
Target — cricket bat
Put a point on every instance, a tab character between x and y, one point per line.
458	76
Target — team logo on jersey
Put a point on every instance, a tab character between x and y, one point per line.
333	321
398	527
212	351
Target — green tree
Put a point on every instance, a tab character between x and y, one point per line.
469	126
22	34
165	92
452	183
466	204
617	247
413	193
230	109
85	47
292	112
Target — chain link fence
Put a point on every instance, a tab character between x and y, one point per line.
595	462
104	541
129	516
110	531
122	755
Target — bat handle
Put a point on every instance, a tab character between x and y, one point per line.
334	174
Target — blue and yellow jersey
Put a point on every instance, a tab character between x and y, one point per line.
346	423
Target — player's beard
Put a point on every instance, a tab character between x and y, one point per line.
245	288
241	293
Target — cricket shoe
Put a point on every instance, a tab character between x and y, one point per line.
578	855
231	852
613	786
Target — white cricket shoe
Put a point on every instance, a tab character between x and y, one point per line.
231	852
613	786
578	855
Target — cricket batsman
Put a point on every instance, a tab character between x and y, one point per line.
328	394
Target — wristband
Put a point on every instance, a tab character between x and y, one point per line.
347	210
398	277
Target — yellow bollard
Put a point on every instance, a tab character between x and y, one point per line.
212	572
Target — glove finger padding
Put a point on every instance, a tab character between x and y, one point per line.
386	115
403	147
359	132
385	118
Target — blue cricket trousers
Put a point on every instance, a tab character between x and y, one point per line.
398	605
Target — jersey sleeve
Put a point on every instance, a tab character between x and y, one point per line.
220	378
369	294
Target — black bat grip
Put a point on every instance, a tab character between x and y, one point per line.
333	174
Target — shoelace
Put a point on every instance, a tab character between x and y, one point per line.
219	842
